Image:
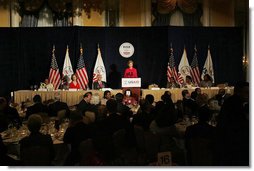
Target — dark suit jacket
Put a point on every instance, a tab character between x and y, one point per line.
74	136
12	115
84	106
114	122
37	139
36	108
96	85
57	106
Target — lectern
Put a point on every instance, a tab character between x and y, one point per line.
134	85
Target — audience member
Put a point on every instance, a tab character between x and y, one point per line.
36	139
9	115
57	106
37	107
77	132
221	96
85	104
203	132
106	97
232	135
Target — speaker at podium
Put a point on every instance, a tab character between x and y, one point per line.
133	85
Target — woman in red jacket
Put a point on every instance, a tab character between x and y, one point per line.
74	84
130	72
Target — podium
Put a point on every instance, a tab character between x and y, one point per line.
133	84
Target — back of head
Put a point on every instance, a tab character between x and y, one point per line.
87	94
37	99
204	114
150	98
202	99
34	123
119	97
194	95
3	103
75	116
144	105
166	97
185	92
241	89
112	105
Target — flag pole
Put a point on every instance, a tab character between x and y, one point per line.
81	49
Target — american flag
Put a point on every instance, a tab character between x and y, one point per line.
195	74
171	71
81	72
54	75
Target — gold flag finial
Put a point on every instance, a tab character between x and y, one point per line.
53	50
171	48
81	48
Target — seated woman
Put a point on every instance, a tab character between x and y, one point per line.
99	84
172	83
106	97
128	98
74	84
65	83
188	82
207	82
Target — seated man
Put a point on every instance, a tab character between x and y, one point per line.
85	104
36	142
99	84
221	96
8	114
37	107
57	106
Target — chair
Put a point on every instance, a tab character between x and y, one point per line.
36	156
200	152
125	154
139	134
152	145
85	149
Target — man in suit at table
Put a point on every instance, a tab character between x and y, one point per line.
85	105
99	84
57	106
38	107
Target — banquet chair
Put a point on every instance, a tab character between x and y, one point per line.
125	154
36	156
152	145
199	152
61	114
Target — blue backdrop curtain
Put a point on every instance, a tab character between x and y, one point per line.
25	53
